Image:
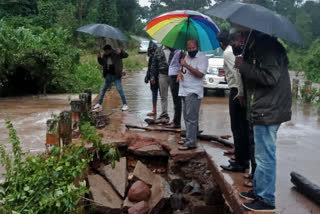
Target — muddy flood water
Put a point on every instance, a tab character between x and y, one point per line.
298	144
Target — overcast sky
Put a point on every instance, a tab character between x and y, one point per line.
144	3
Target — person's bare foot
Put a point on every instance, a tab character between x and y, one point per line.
151	114
229	152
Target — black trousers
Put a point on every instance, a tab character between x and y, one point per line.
251	145
177	102
239	128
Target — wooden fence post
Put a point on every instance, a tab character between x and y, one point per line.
77	107
89	92
295	88
52	135
65	127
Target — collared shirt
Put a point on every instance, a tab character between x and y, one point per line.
175	65
166	52
190	84
232	74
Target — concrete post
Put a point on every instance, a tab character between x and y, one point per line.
52	136
295	88
308	85
77	106
89	92
65	127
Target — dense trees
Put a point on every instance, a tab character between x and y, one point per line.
38	37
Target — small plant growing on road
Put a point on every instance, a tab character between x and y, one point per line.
90	135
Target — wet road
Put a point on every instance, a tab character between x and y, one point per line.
297	146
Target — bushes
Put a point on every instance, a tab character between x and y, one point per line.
88	75
312	62
135	62
41	184
44	56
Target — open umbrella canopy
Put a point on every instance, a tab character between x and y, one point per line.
103	30
258	18
174	29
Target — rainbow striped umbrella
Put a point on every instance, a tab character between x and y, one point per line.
174	29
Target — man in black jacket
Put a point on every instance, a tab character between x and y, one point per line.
264	68
112	72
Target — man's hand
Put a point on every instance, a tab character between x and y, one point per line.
180	76
152	81
118	51
183	62
241	100
99	54
238	62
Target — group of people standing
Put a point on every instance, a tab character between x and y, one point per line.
184	74
256	67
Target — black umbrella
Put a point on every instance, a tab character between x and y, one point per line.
258	18
103	30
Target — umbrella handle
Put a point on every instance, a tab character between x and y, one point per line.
245	46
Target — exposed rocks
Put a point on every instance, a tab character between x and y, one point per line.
106	200
193	188
145	146
161	194
139	208
141	172
118	177
139	191
213	195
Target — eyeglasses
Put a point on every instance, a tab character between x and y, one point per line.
184	70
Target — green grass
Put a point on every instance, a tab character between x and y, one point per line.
135	61
89	75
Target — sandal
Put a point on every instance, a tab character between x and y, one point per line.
183	148
248	176
229	152
181	142
248	183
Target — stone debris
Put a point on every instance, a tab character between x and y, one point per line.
139	208
161	194
118	177
139	191
106	200
143	173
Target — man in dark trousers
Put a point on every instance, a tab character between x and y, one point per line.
112	72
237	109
264	68
159	70
174	69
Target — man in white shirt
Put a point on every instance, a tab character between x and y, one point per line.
194	68
237	110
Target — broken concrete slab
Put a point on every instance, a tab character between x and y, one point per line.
127	204
143	173
177	155
161	193
118	177
149	150
139	208
105	199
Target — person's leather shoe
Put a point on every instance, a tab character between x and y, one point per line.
234	168
231	161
